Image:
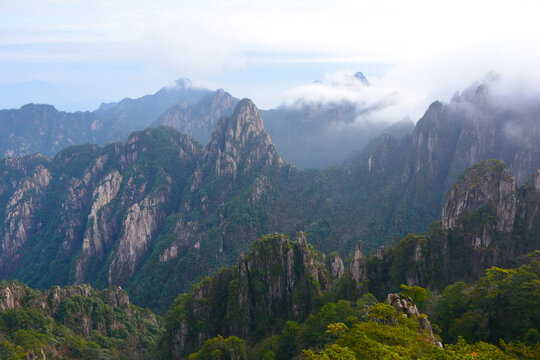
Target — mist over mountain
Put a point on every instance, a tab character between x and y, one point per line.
200	118
158	212
137	114
309	133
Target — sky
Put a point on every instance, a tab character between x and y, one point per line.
76	54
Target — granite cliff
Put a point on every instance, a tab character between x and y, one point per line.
486	221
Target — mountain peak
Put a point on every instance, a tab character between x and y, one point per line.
361	78
39	107
241	141
488	184
179	84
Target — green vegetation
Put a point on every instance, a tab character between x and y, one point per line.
74	322
504	304
219	348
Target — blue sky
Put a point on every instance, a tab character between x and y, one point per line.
76	54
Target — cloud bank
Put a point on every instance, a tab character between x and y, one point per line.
408	88
117	45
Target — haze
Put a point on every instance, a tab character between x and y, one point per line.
77	54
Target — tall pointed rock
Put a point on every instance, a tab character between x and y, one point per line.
240	144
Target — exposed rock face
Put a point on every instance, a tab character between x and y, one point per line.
110	204
450	137
98	233
529	203
406	306
337	269
140	226
357	268
271	282
51	302
20	211
488	183
486	221
99	204
240	143
11	296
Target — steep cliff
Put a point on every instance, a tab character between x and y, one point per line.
486	221
74	321
118	214
277	280
92	211
413	174
225	208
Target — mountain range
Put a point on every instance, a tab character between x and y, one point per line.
307	135
158	211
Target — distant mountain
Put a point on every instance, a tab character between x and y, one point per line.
419	169
137	114
312	133
43	129
318	136
200	118
157	212
308	134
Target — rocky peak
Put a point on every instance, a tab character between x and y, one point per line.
273	281
219	96
361	78
406	306
536	180
240	142
199	119
487	184
357	268
335	264
11	295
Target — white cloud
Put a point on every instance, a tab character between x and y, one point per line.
407	89
218	33
436	45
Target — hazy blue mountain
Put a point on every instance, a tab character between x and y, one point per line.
200	118
43	129
137	114
157	212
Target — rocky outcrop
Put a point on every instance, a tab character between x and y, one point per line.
92	209
20	213
486	184
11	296
240	143
140	226
278	279
412	175
99	234
357	267
486	221
335	264
405	305
81	308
